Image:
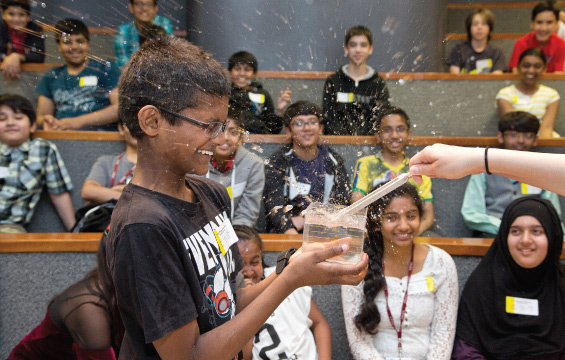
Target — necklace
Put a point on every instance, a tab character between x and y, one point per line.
403	311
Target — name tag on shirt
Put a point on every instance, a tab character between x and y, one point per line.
257	98
298	188
3	171
521	306
343	97
530	190
482	65
225	236
88	81
422	285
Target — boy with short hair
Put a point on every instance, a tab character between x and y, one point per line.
250	98
487	196
240	171
352	93
393	131
111	173
81	94
128	37
543	24
26	166
171	250
21	40
302	172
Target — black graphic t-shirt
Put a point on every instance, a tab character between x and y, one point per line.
172	262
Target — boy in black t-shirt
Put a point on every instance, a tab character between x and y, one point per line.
171	249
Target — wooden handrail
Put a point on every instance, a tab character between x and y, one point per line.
105	30
322	75
505	5
494	36
88	242
282	139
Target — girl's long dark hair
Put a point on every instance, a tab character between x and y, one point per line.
368	318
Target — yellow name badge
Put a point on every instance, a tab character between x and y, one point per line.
343	97
229	191
521	306
529	189
257	98
225	236
88	81
430	283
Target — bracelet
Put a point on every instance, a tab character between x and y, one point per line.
486	161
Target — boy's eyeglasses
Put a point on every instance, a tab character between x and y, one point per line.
390	130
514	135
301	124
237	131
211	129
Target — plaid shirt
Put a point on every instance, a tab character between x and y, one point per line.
126	41
23	173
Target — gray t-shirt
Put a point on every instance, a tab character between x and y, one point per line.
102	169
471	62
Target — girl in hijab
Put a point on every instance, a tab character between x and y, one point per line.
512	306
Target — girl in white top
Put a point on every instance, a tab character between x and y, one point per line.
528	95
406	307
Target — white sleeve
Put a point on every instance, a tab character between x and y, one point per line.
360	342
445	309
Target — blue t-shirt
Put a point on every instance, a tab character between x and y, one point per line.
76	95
312	172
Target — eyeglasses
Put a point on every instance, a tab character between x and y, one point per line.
390	130
514	135
211	129
300	124
235	131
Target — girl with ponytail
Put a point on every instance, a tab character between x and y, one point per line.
406	307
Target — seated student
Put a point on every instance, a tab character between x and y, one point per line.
544	20
78	325
487	196
26	166
111	173
21	40
171	250
301	329
302	172
82	93
352	93
476	55
528	95
240	171
513	304
249	97
417	288
128	37
393	131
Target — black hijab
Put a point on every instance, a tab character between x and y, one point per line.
482	320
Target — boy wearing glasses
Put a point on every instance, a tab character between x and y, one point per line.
393	131
240	171
171	250
302	172
82	94
487	196
128	39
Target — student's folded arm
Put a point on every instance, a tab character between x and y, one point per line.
45	110
322	332
548	121
474	209
504	107
94	192
455	69
105	116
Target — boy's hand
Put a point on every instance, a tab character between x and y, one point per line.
11	66
283	100
51	123
308	266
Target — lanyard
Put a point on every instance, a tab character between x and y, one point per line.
403	311
123	179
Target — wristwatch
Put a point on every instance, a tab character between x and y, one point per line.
282	259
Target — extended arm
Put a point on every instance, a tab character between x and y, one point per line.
322	332
454	162
360	342
65	209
